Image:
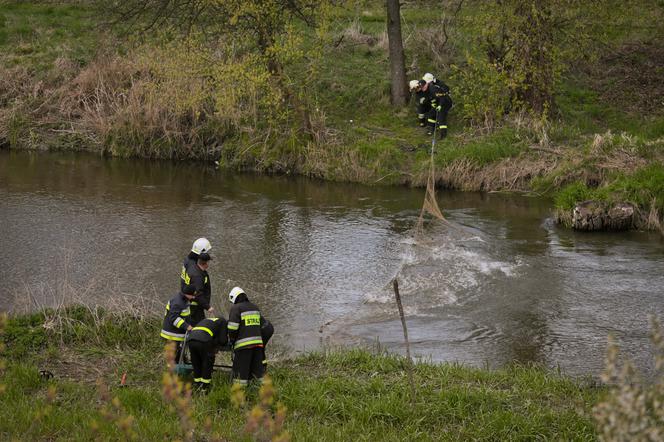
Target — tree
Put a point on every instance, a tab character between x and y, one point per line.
399	91
534	41
253	30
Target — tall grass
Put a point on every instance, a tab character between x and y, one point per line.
633	410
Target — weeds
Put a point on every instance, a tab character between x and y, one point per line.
261	423
633	410
113	412
177	394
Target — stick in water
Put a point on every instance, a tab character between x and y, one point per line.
409	366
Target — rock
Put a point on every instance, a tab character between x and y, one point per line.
620	217
593	216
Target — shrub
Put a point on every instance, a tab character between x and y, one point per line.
634	409
483	92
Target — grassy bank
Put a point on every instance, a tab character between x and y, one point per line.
67	84
338	395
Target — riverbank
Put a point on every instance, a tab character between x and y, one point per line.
62	89
344	394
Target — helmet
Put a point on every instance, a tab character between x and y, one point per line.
232	296
428	77
412	84
201	245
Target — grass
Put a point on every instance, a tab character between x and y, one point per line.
36	34
350	394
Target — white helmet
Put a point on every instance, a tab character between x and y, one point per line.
232	296
428	77
201	245
413	84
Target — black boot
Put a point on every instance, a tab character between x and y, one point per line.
442	133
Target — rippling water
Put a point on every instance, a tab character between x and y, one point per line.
505	285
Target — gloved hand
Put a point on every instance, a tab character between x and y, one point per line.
438	108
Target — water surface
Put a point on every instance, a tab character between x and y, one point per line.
506	285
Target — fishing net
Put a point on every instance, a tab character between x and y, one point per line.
430	204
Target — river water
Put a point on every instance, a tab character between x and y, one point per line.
505	285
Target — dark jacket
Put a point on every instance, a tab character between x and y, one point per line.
422	100
244	324
211	330
176	318
192	274
267	330
439	94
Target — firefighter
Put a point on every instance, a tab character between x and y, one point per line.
244	334
422	101
267	330
177	318
205	340
194	272
441	103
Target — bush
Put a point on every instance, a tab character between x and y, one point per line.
483	92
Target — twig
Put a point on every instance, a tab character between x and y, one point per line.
409	365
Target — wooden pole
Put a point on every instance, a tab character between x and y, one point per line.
409	364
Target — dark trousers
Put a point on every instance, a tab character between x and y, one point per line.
248	364
202	360
422	110
438	118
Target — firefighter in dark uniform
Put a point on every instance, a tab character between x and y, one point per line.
267	330
244	333
194	272
205	340
177	318
441	103
422	100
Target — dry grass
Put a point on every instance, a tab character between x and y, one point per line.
354	35
509	174
634	409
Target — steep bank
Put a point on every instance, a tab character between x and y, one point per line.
57	91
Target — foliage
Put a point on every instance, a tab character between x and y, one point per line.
573	194
634	409
483	92
532	42
644	188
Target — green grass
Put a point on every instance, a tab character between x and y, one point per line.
645	188
34	35
347	394
504	143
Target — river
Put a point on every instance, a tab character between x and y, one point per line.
506	285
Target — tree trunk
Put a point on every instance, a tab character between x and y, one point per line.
397	63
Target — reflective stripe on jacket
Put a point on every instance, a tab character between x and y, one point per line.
191	274
176	318
244	325
210	330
